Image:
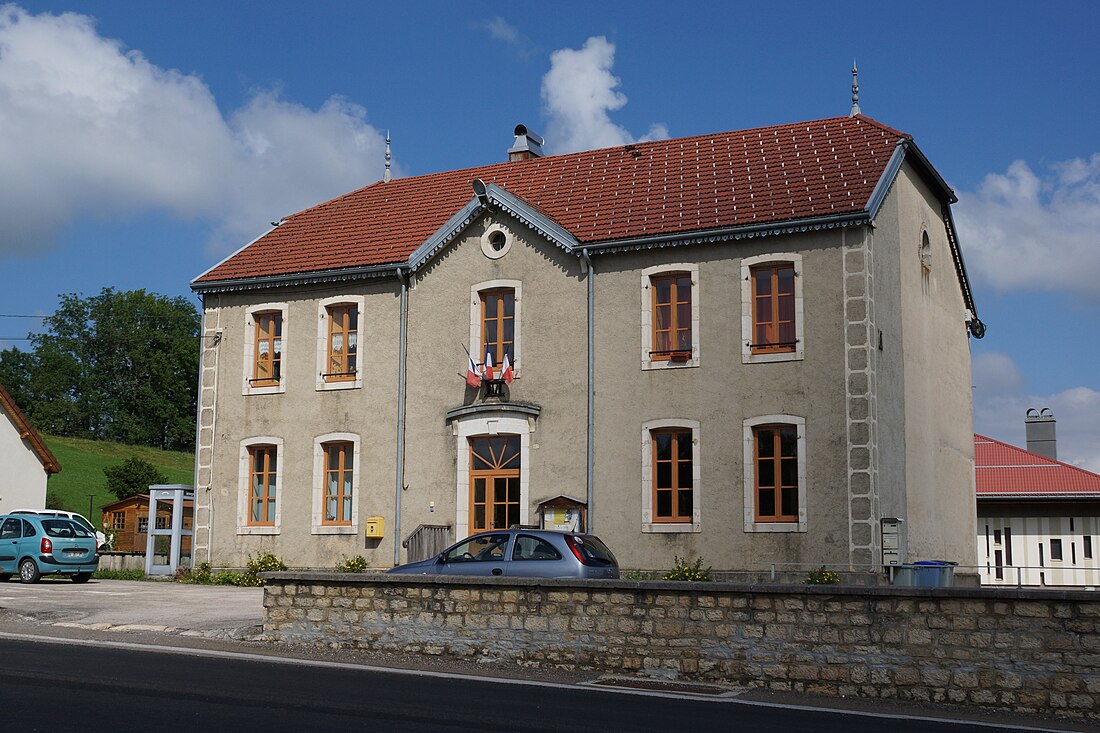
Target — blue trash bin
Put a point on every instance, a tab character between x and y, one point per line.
934	573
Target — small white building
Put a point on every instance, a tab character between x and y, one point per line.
25	460
1038	518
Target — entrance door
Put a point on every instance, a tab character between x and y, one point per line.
494	482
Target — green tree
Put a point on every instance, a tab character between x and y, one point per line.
121	365
131	477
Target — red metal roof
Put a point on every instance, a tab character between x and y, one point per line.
760	176
1005	471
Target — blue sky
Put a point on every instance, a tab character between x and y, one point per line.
141	142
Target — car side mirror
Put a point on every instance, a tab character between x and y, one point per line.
441	560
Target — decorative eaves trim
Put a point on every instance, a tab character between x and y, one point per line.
296	278
726	234
496	197
886	180
440	237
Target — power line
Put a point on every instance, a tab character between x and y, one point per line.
13	315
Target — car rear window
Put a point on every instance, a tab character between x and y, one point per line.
594	550
63	528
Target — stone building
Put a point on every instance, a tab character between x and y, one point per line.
748	346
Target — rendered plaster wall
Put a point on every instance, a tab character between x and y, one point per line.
551	372
1027	651
24	482
297	417
938	409
720	394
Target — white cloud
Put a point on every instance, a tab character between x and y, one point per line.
1028	231
501	30
579	92
91	129
1000	405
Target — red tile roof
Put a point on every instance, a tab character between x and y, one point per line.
760	176
1005	471
28	433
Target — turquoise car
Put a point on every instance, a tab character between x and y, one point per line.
33	546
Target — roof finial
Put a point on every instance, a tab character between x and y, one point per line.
855	91
387	175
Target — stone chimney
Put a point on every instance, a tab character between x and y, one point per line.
1039	425
527	145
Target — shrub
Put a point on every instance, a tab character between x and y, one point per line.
106	574
267	562
53	501
357	564
822	577
201	574
226	577
683	570
131	477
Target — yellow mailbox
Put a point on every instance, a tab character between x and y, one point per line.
376	528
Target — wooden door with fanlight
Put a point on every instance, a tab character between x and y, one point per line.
494	482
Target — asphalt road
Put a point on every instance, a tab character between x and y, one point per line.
126	655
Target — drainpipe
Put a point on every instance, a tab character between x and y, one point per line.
400	478
591	272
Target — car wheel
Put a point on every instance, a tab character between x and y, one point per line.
28	571
82	577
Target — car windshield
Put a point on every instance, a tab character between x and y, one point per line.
63	528
594	551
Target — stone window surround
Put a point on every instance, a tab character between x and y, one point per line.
322	342
648	273
486	240
244	480
747	263
477	349
648	525
318	525
489	424
751	525
250	348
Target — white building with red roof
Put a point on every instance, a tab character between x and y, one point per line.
1038	518
26	460
749	346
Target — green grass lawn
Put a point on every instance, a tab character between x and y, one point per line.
82	463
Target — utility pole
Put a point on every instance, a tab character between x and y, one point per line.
90	497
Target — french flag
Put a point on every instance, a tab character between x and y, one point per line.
473	378
506	369
488	373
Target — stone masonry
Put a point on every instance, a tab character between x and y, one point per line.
1022	650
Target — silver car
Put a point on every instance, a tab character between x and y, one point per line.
523	553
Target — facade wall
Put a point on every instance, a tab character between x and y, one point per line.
1026	651
24	482
938	418
847	283
1053	544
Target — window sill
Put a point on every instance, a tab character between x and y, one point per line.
775	526
671	527
269	389
345	529
769	357
335	386
653	365
257	530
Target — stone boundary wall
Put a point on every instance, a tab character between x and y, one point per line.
1030	651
